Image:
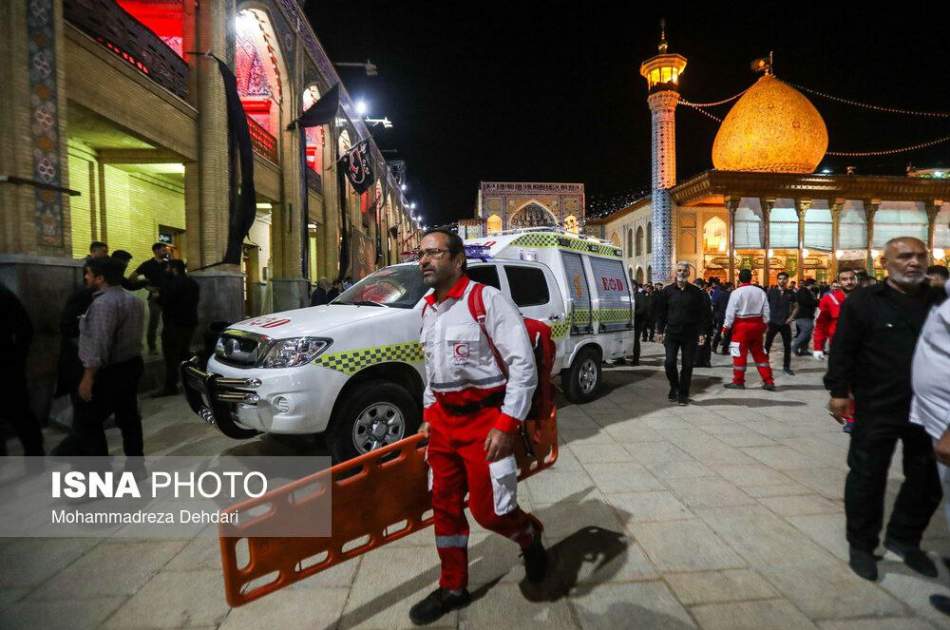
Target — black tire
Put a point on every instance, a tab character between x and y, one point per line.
385	400
576	378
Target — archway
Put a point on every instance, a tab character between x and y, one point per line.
629	243
493	224
640	275
649	238
649	273
315	136
570	224
615	240
715	236
639	249
532	214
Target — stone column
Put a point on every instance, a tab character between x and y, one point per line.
663	114
801	209
732	203
206	182
933	209
767	205
870	209
836	206
331	202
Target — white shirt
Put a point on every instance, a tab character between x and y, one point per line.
930	406
460	365
747	301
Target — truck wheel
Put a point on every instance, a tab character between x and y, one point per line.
375	414
584	376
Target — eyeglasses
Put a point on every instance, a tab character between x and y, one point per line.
433	252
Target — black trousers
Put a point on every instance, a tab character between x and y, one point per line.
872	445
704	351
16	410
718	336
649	328
115	391
638	327
786	331
176	347
685	343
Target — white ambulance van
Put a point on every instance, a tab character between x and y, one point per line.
353	369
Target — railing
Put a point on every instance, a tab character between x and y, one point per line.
113	27
265	145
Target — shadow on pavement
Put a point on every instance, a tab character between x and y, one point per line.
749	402
578	564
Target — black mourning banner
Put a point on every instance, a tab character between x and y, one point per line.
242	205
357	166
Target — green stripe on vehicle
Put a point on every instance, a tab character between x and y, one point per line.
350	362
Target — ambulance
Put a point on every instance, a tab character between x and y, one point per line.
353	369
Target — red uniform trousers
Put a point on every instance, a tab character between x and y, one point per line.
456	456
747	332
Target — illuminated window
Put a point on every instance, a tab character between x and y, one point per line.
494	224
666	76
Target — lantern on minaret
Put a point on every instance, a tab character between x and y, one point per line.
662	73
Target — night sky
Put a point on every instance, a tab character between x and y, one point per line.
551	91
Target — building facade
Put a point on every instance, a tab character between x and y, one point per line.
763	207
115	130
511	205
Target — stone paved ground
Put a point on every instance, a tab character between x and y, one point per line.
723	515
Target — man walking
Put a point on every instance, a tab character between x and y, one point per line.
682	313
807	300
649	321
16	335
746	317
153	270
473	410
179	301
930	407
640	309
110	348
782	310
829	311
871	355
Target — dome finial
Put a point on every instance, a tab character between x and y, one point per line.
663	45
765	65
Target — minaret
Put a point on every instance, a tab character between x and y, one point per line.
662	73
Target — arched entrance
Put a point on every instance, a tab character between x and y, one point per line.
639	277
493	224
532	214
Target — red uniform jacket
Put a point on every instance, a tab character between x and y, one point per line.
829	309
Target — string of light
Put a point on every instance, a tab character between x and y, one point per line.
922	145
716	103
877	108
701	111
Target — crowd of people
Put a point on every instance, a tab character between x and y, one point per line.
102	328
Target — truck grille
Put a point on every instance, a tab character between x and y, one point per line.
240	349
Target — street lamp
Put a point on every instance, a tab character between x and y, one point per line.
362	107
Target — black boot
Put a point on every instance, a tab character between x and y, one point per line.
734	385
913	556
439	602
941	603
864	564
673	395
535	560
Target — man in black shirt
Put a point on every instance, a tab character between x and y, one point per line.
16	335
682	314
154	270
640	308
179	302
807	300
649	305
870	359
783	308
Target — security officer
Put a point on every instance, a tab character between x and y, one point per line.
472	417
871	355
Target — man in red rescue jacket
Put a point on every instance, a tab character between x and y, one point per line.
829	310
747	315
472	415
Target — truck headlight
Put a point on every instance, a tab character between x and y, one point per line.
294	352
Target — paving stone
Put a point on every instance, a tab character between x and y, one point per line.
828	530
802	505
680	470
644	605
631	431
650	506
289	608
891	623
684	546
776	614
504	606
552	486
176	598
750	475
914	590
655	453
719	586
600	454
709	450
68	614
37	559
781	457
9	596
831	592
623	477
747	438
120	569
826	481
708	492
783	490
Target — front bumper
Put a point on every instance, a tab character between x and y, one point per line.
289	401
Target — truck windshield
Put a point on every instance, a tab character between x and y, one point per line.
399	287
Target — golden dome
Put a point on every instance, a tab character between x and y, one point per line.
772	128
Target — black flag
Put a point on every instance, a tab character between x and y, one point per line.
358	168
320	113
242	207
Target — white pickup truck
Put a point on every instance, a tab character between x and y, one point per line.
353	369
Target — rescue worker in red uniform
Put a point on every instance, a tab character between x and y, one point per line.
829	310
747	316
472	416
